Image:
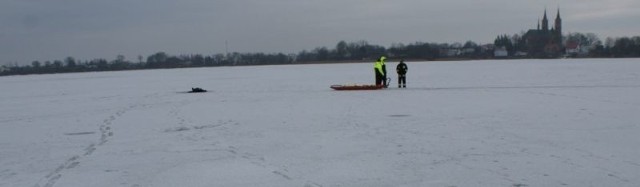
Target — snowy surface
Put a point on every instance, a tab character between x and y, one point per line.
474	123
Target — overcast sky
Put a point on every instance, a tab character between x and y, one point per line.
87	29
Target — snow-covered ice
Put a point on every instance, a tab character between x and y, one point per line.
473	123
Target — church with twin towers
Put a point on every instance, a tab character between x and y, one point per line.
545	41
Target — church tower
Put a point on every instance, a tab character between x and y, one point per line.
545	22
557	34
558	25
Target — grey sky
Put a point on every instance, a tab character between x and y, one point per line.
86	29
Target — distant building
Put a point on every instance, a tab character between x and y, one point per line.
521	54
575	49
572	48
545	42
486	47
450	52
466	51
500	52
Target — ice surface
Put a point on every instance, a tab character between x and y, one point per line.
472	123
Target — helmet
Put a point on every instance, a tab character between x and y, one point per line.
382	58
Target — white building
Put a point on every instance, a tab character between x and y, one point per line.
4	68
500	52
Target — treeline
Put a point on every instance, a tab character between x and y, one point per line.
363	51
155	61
618	48
342	52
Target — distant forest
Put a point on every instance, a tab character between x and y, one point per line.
360	51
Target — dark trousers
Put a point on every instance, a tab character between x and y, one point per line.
384	76
378	77
402	80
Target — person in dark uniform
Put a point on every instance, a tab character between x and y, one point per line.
402	69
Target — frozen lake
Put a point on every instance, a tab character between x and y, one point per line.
473	123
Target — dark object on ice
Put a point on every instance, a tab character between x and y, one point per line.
197	90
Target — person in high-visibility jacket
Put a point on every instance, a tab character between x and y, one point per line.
380	70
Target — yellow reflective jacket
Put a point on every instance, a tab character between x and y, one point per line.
378	66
